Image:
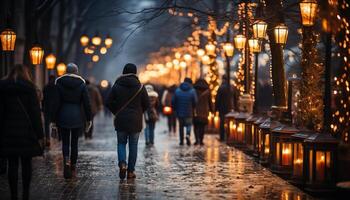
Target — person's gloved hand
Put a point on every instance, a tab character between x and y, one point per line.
88	126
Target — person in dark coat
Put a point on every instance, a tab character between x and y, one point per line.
151	115
48	99
96	105
69	117
224	104
21	135
166	102
183	102
203	107
128	101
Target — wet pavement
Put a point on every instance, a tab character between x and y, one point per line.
165	171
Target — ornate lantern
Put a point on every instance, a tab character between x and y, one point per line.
103	50
61	69
281	34
249	132
84	40
108	42
96	40
254	45
282	149
240	41
36	54
308	10
210	48
259	29
257	144
50	61
230	126
228	48
8	40
95	58
200	53
238	129
320	162
265	141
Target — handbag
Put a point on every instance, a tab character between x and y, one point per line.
127	103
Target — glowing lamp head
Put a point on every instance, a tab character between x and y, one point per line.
104	84
177	55
200	52
183	64
259	29
187	57
281	34
50	61
206	60
8	40
96	40
103	50
254	45
95	58
36	54
228	48
84	40
108	42
210	48
61	69
308	11
240	41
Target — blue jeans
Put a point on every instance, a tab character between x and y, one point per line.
149	132
185	122
123	138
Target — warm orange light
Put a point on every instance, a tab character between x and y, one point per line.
308	10
61	69
36	54
200	52
281	34
240	41
169	64
259	29
176	62
103	50
108	42
84	40
177	55
254	45
183	64
187	57
229	49
95	58
167	110
210	48
8	40
50	61
104	83
96	40
206	60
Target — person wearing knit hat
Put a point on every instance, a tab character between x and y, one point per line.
151	115
128	100
72	68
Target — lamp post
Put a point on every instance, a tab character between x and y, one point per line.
8	41
255	47
228	48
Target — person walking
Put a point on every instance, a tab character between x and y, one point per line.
203	107
128	100
184	102
167	108
67	116
21	135
224	104
151	115
48	99
96	105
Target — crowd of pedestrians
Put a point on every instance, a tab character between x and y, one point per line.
66	108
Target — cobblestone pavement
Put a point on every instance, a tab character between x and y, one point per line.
165	171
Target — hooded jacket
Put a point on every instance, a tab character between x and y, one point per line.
204	104
20	119
184	100
128	119
72	102
151	115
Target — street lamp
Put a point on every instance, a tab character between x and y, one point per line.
36	54
103	50
259	29
50	61
210	48
108	42
200	53
228	48
61	69
254	45
281	34
308	10
96	40
240	41
84	40
95	58
8	40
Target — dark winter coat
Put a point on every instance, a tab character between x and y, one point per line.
95	99
224	99
204	104
184	100
128	119
48	97
20	119
72	104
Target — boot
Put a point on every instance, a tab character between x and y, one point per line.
74	171
67	173
122	171
131	175
188	141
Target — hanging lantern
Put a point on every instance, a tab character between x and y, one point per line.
254	45
228	48
50	61
308	10
210	48
8	40
95	58
61	69
187	57
259	29
84	40
96	40
103	50
200	52
281	34
206	60
240	41
108	42
36	54
104	83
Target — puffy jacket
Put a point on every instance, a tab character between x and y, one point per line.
72	102
20	119
204	104
128	119
184	100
